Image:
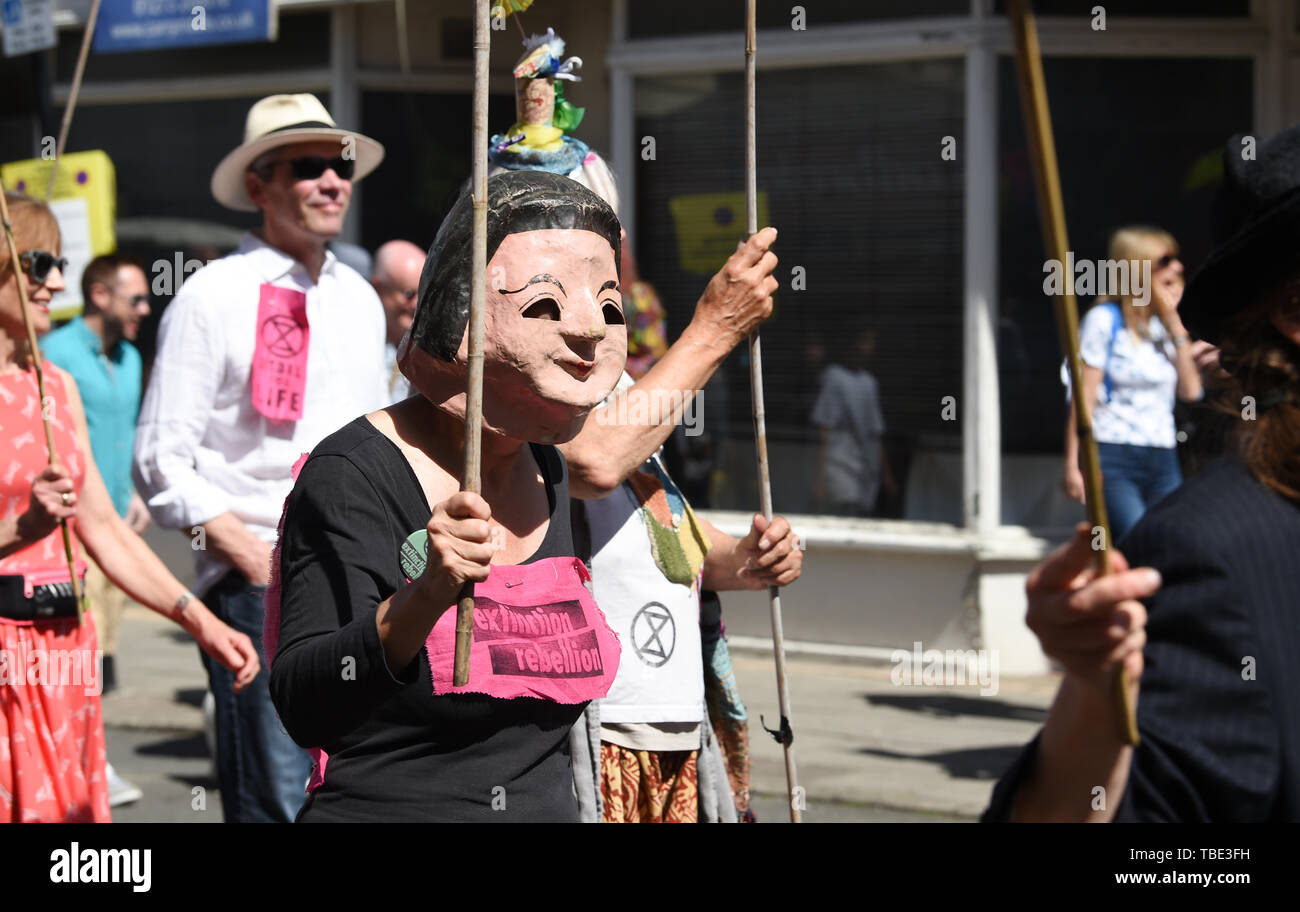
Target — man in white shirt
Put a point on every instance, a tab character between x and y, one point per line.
397	279
261	355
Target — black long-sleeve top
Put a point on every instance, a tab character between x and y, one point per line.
395	750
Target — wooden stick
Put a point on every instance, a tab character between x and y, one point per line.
784	735
71	106
474	382
1051	208
17	269
403	46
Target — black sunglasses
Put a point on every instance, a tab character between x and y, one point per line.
136	300
310	167
39	263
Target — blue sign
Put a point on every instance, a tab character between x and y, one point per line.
141	25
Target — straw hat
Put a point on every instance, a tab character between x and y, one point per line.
280	120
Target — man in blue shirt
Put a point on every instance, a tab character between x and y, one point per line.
96	350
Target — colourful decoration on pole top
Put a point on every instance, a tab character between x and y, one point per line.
537	140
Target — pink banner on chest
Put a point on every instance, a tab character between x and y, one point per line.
537	633
280	356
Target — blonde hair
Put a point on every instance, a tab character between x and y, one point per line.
34	225
1139	242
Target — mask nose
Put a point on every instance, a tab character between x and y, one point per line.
584	321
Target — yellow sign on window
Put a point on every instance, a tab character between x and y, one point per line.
85	203
709	225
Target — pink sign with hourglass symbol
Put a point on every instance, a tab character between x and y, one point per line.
280	356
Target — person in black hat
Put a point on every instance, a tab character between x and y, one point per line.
1211	644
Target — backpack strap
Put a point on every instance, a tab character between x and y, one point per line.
1117	323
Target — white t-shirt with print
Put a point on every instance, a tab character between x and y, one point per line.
1139	409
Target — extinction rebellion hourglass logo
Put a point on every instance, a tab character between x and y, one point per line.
654	634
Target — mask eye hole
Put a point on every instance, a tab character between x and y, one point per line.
613	316
543	309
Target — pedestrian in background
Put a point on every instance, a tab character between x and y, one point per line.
1135	361
852	465
396	280
261	355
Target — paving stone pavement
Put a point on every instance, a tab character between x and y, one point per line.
867	749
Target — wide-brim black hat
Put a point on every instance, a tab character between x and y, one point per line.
1255	227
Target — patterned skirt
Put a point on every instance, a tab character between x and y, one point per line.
649	786
52	752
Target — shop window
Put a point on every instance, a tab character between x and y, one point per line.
851	172
1139	141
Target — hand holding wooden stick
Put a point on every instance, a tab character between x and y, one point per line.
785	733
471	480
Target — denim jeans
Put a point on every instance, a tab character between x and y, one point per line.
1134	479
261	772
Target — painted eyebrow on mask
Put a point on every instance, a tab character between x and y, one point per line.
608	285
543	277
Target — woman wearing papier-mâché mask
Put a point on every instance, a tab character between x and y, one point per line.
378	540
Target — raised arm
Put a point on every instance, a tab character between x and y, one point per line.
1164	299
1199	712
1089	625
738	298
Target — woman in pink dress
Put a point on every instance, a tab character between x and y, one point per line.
52	757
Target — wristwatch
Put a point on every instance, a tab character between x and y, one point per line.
178	609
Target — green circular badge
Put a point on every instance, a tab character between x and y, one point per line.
414	555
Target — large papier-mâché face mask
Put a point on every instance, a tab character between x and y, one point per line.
554	336
554	339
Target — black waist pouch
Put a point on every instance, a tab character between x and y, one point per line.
48	601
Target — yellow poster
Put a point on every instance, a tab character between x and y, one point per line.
709	225
85	203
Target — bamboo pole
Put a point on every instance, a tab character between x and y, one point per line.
403	42
474	382
17	270
71	106
784	735
1051	208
